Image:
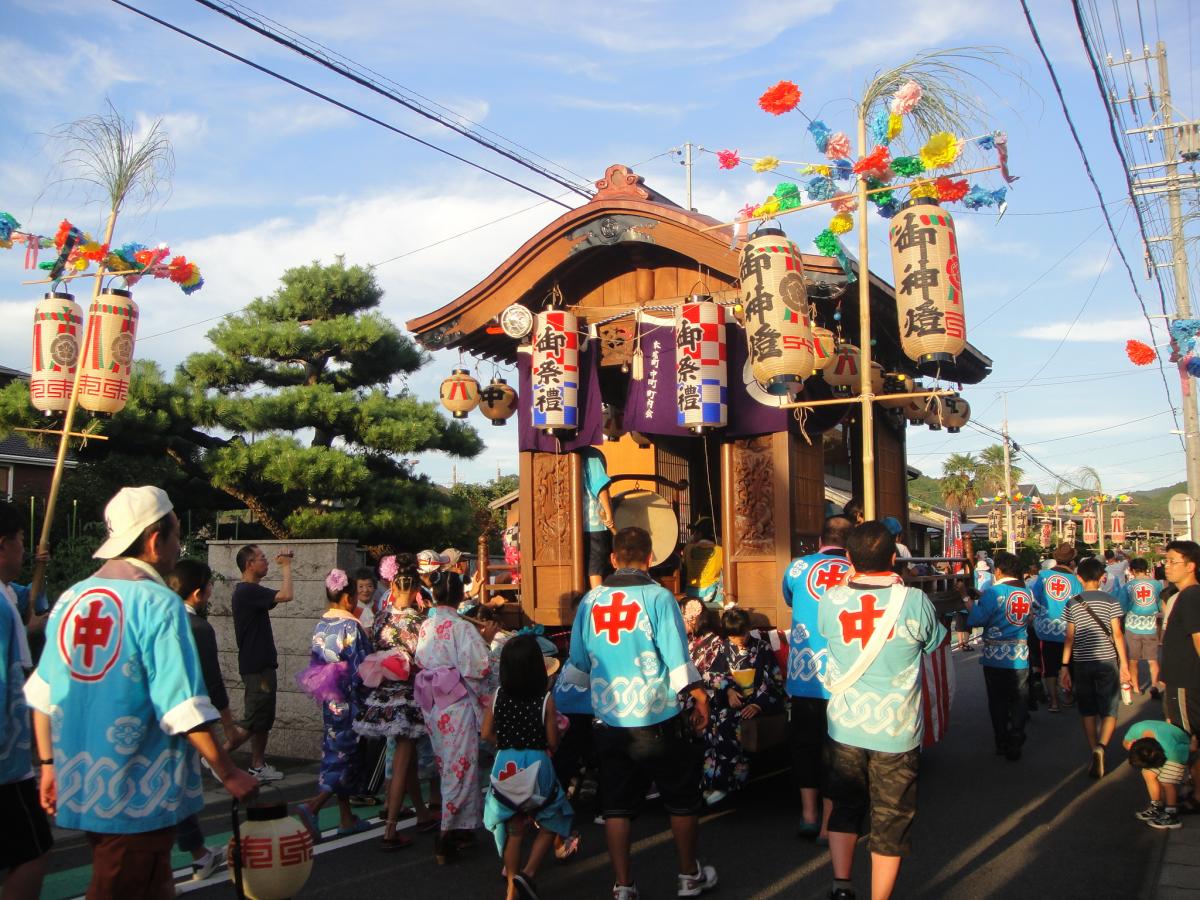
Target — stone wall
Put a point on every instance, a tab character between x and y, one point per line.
297	731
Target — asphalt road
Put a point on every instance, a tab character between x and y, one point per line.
985	828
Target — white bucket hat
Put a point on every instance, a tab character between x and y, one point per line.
127	515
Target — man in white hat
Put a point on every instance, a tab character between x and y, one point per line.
120	710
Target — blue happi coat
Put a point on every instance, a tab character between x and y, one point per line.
806	581
1003	613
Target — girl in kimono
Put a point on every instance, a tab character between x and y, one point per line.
523	725
745	681
339	645
451	690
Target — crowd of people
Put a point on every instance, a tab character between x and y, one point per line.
651	697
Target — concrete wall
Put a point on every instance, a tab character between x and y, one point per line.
297	731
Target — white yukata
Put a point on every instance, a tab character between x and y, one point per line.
451	689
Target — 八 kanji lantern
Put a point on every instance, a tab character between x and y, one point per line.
775	300
701	373
1089	527
1118	526
498	401
824	348
929	297
56	321
554	373
842	374
108	351
459	393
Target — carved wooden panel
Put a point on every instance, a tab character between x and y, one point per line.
616	342
753	491
552	502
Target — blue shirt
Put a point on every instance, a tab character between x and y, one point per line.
1050	595
882	710
595	479
122	684
1140	599
806	581
16	764
628	644
1002	611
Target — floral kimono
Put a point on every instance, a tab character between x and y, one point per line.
451	690
389	709
754	672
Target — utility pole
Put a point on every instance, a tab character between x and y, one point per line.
1008	514
1170	185
687	165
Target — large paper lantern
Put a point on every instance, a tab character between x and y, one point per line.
555	371
108	351
929	297
824	348
277	853
1089	527
459	393
701	373
56	321
1070	530
498	401
1047	533
995	526
775	301
877	379
1118	526
896	389
1020	524
956	412
842	374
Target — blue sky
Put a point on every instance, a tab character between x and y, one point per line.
267	177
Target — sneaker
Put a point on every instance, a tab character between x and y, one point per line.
712	798
704	878
625	892
526	889
1153	811
1167	820
652	793
266	772
1096	766
599	820
204	868
841	894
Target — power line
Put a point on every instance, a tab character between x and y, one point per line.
344	106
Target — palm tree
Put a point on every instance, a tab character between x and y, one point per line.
991	470
958	481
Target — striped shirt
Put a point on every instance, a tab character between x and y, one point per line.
1091	641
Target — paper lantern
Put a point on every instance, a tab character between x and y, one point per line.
1089	527
775	301
824	348
1047	533
460	393
896	387
956	412
1020	524
56	321
555	371
701	373
1118	526
277	853
498	401
842	374
108	351
995	526
1069	532
929	297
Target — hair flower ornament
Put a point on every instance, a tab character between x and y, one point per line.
336	581
389	568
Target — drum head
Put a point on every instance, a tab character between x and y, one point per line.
650	511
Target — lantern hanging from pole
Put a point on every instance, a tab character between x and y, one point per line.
896	388
108	351
460	393
775	299
824	348
1089	527
914	407
877	379
995	525
928	282
956	412
1118	526
842	375
1047	533
701	372
498	401
1070	531
276	852
56	321
1020	524
555	371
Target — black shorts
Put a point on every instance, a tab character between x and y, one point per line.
884	785
599	553
807	732
25	824
1096	684
667	755
1052	652
1181	708
259	714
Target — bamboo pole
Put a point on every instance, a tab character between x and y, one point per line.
867	418
39	569
85	275
79	434
806	404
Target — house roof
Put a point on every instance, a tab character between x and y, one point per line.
15	448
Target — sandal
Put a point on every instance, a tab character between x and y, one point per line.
568	848
359	826
397	842
429	825
310	822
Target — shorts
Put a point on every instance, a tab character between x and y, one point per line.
1052	652
599	553
25	823
259	714
1142	646
883	785
808	729
131	865
631	759
960	622
1181	707
1170	773
1097	686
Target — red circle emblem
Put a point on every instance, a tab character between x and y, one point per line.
90	634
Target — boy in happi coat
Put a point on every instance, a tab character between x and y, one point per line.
1141	598
1053	590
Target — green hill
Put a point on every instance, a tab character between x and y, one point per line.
1150	507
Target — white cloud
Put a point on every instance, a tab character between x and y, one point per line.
1088	330
182	129
633	107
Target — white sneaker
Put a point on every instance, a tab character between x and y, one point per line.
266	772
625	892
599	820
694	885
712	798
204	868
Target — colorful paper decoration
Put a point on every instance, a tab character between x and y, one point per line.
57	319
928	283
498	401
108	351
842	376
1118	526
701	372
1089	527
824	347
775	300
555	371
459	393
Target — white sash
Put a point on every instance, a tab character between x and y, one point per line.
875	645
